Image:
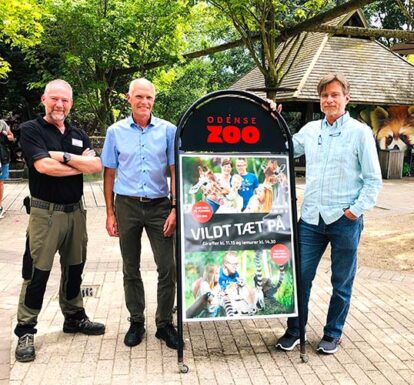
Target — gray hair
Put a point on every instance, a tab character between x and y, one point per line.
140	81
331	77
58	82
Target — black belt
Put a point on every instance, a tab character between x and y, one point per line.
145	199
69	208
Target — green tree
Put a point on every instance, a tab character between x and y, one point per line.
266	25
94	42
180	86
392	14
14	94
20	26
100	45
181	83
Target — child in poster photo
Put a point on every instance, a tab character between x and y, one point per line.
262	200
232	202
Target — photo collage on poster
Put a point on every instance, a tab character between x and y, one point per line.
236	238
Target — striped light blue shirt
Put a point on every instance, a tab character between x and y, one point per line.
342	168
141	156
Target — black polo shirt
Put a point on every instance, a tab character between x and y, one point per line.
37	138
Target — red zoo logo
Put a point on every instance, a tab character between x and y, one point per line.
233	134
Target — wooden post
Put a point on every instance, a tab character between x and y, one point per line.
391	162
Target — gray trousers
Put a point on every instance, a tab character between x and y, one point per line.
132	217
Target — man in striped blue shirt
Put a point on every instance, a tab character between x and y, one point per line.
343	178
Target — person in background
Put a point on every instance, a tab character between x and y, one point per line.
6	137
250	181
221	186
228	271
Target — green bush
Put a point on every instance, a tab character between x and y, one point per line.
406	169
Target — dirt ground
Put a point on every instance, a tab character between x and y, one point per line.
388	242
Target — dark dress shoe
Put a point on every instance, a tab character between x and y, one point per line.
85	326
135	334
25	351
168	334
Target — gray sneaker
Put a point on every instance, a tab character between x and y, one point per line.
287	342
328	345
25	351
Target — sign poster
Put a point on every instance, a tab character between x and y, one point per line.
236	236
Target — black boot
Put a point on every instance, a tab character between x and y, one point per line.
135	334
85	326
168	334
25	351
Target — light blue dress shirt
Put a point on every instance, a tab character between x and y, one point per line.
342	168
141	156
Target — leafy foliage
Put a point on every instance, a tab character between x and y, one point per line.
267	18
14	95
179	87
99	46
388	14
184	82
20	26
94	41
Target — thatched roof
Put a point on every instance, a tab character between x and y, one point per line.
376	74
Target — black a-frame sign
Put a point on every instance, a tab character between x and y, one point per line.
236	238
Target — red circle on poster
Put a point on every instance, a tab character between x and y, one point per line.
202	212
279	254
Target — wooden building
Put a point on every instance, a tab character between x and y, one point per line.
404	49
378	76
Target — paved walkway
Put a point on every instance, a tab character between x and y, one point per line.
378	344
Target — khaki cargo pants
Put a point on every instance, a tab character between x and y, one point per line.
50	231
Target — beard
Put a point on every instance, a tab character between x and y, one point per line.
58	115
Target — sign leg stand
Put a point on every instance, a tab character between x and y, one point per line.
182	367
303	355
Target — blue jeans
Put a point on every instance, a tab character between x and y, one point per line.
344	236
4	171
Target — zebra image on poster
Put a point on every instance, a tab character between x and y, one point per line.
236	237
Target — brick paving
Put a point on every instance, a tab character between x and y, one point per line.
377	348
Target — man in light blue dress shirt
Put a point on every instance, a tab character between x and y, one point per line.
343	179
136	155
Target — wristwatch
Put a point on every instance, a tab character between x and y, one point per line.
66	157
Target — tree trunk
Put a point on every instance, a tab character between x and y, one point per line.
270	85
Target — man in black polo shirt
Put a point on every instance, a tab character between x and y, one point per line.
57	155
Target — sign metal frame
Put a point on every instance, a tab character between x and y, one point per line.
224	122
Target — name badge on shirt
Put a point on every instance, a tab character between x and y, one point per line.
77	142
